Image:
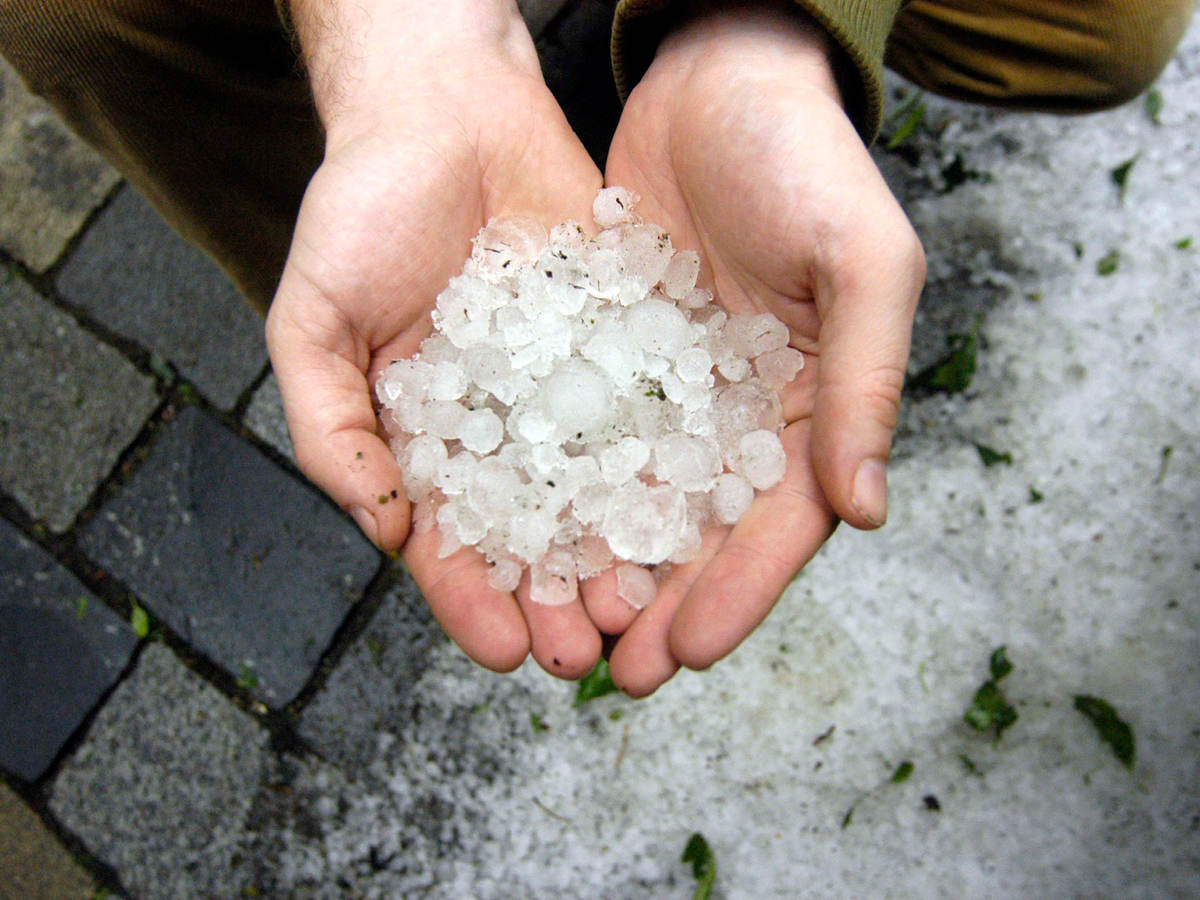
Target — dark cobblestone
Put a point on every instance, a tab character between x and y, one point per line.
69	406
50	181
245	563
61	649
140	279
160	788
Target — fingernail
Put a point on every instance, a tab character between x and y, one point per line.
869	495
366	522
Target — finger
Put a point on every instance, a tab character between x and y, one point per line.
867	297
320	365
607	610
778	535
642	660
485	623
564	641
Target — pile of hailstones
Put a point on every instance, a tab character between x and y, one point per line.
582	404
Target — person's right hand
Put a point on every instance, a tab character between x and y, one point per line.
437	119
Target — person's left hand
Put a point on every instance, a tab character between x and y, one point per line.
738	145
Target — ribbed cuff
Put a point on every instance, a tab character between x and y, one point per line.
859	27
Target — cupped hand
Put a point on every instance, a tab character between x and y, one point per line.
738	145
415	164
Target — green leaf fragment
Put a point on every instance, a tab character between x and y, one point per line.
957	173
953	373
536	723
704	865
992	457
1113	730
969	764
1183	243
1154	105
247	678
81	609
990	709
595	683
1108	263
1120	175
1035	496
908	126
847	818
998	663
902	773
140	621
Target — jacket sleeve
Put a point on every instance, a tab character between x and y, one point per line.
859	27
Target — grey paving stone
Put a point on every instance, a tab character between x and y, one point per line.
135	275
265	417
33	864
50	181
247	564
60	649
160	788
69	406
373	686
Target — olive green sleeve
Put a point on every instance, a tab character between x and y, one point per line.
859	27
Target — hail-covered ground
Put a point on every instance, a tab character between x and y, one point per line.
1049	506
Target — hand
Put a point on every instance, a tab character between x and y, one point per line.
737	143
436	119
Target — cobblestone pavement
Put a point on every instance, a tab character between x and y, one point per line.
212	686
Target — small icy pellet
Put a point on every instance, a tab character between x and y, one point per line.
614	206
504	245
693	364
620	462
636	585
447	382
553	581
577	397
696	298
505	574
455	474
778	367
419	464
593	556
659	327
480	431
645	524
752	335
731	497
761	459
690	463
680	277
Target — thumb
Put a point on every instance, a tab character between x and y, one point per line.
321	363
867	300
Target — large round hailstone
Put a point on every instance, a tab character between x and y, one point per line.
582	406
659	327
577	397
645	524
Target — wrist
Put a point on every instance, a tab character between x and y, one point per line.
754	37
369	60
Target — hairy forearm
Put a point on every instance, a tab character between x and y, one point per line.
363	55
